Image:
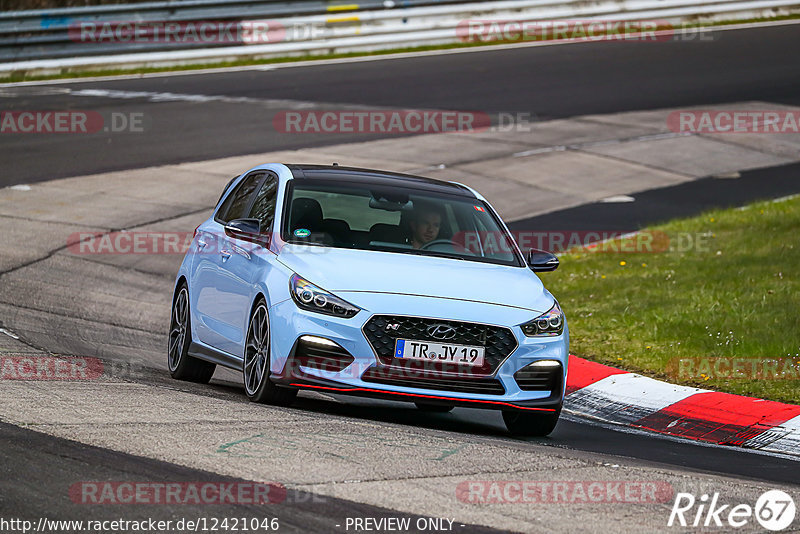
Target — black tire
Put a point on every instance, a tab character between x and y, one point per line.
255	368
181	365
435	408
521	423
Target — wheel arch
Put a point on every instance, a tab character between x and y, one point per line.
178	283
258	298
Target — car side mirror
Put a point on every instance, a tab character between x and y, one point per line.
247	230
541	261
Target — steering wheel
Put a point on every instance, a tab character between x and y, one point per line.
435	242
457	248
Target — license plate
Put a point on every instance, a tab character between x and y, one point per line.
428	351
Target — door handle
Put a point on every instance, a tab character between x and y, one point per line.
226	254
201	244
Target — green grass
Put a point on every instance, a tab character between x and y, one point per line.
737	295
70	74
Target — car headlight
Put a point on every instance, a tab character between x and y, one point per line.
547	324
309	297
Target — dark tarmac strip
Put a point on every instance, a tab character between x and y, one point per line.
666	203
545	82
37	472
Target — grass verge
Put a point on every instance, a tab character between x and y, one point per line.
718	307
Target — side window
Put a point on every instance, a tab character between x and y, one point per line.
235	205
227	187
264	207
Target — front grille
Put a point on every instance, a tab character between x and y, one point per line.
383	330
405	378
535	378
322	357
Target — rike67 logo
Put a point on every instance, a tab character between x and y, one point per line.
774	510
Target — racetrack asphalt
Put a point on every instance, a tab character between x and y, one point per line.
38	472
665	203
543	82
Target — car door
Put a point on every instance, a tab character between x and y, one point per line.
247	263
217	308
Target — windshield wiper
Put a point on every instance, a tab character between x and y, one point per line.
435	254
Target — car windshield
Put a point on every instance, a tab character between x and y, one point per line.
366	217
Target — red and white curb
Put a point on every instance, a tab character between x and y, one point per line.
615	396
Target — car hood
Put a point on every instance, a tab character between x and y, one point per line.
347	270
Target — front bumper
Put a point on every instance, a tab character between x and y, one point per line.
289	324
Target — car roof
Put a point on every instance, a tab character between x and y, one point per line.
337	173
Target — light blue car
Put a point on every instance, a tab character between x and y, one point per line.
370	283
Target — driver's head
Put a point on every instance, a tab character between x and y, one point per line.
425	225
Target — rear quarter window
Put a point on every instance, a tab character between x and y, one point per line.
236	204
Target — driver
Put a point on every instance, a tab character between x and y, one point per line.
425	225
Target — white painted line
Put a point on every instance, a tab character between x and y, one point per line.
8	333
773	201
160	97
191	72
20	187
153	96
8	92
784	199
535	151
617	199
